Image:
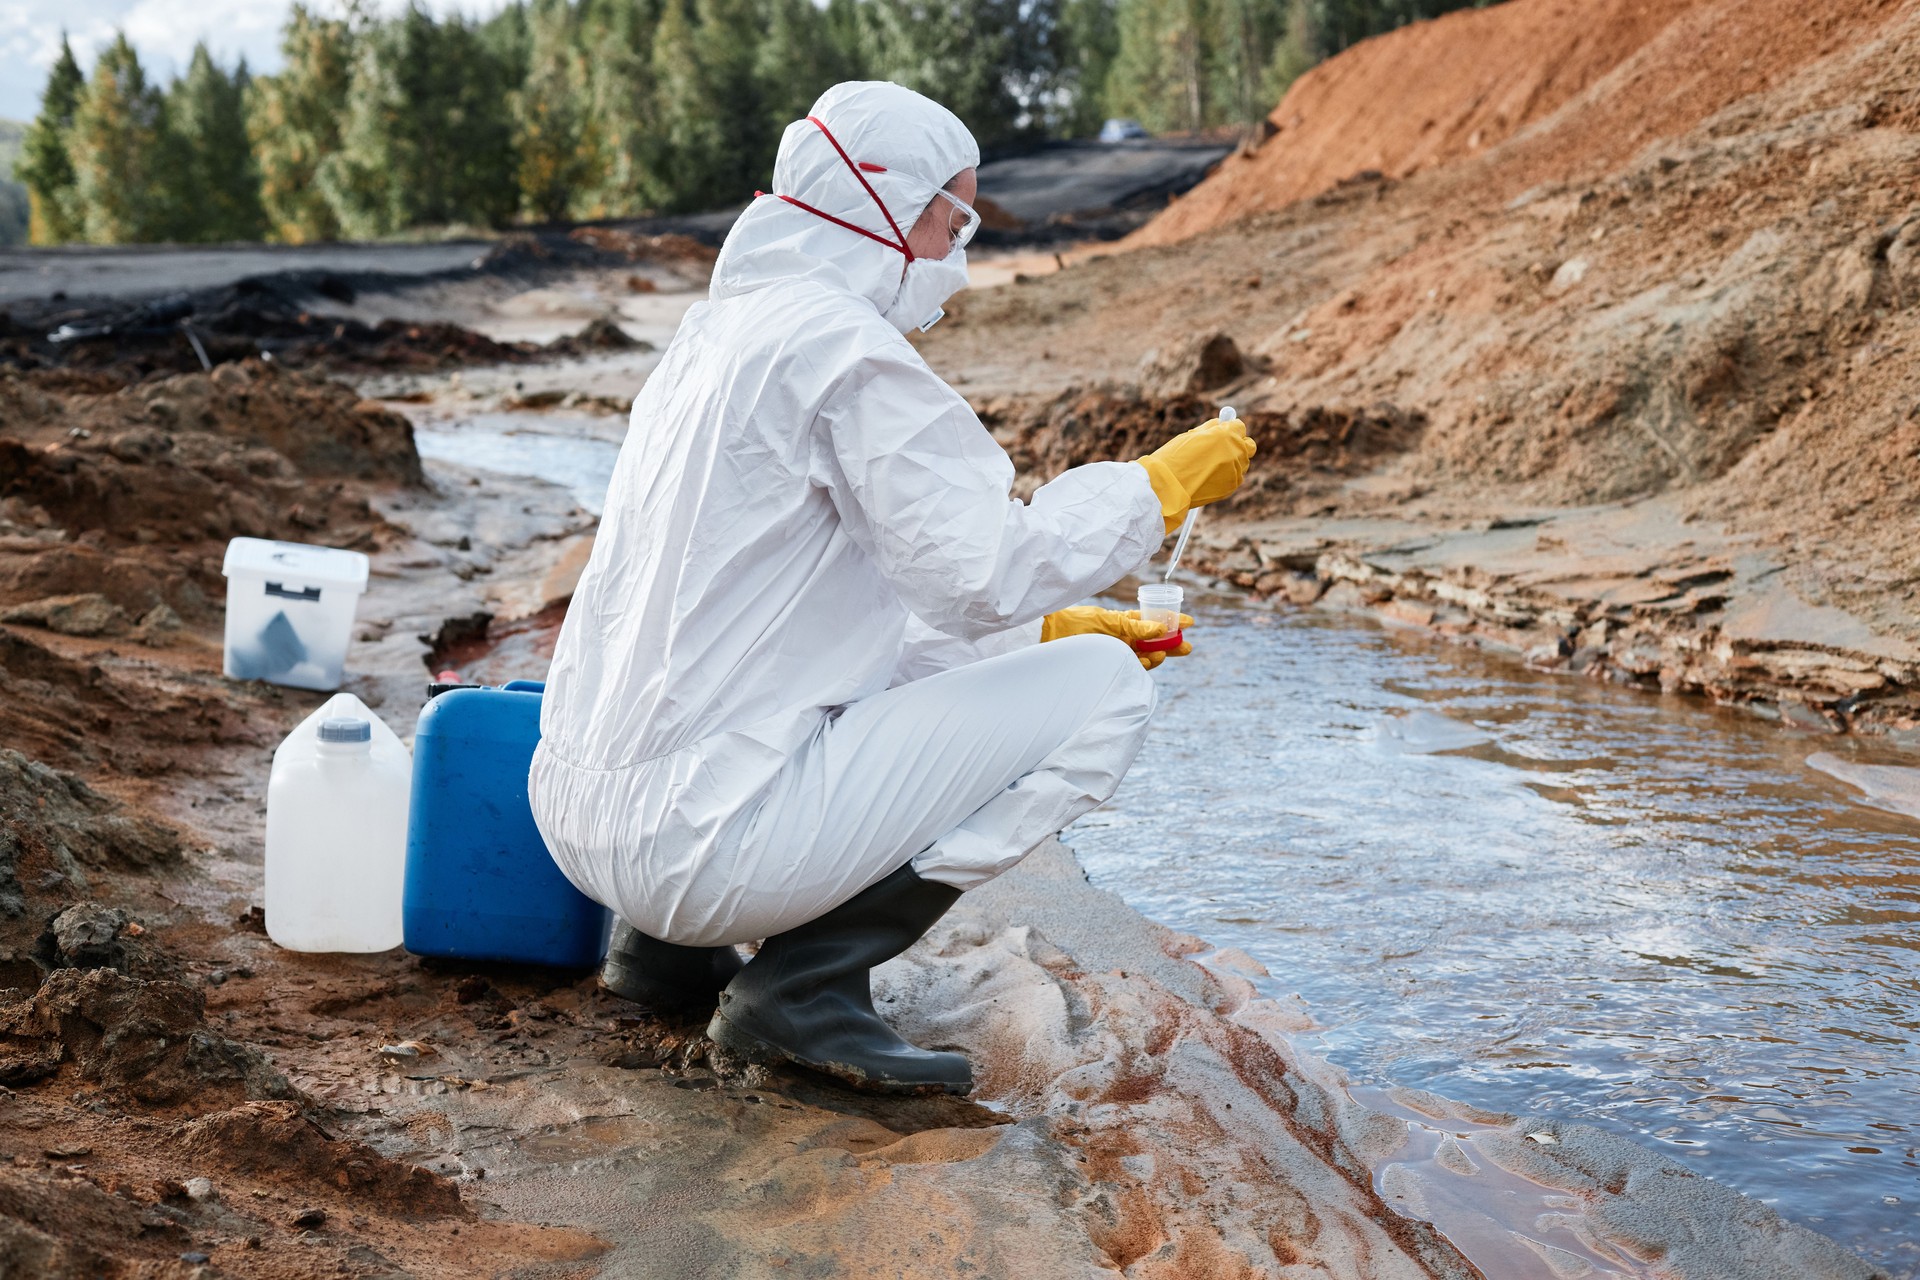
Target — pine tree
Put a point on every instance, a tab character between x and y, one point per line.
726	47
990	62
294	119
622	118
1089	40
1155	73
807	51
206	109
687	138
559	158
428	136
44	165
128	166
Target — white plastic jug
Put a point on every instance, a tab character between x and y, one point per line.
337	832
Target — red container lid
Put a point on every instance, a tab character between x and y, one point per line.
1163	644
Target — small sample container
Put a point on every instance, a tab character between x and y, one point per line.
290	611
336	848
1160	602
480	883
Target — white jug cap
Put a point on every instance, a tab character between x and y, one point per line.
303	563
345	729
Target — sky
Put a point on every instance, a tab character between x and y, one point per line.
164	31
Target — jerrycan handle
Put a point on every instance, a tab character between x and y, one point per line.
525	686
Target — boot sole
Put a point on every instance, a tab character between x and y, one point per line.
745	1044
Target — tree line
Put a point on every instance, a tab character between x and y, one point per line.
577	109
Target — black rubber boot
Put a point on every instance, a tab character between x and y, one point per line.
805	997
662	976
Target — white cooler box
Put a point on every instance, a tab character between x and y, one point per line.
290	611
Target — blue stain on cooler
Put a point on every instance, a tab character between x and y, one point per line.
480	882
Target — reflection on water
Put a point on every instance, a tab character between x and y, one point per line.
1540	895
575	452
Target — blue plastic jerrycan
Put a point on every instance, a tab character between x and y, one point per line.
480	883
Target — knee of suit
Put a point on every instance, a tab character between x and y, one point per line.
1112	664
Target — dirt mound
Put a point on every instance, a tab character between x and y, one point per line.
1301	451
278	1142
1720	310
670	249
54	828
82	714
1599	81
145	1040
117	499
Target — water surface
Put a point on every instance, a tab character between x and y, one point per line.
1537	894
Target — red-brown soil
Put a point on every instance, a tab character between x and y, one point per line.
1691	268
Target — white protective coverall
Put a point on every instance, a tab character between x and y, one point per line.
804	650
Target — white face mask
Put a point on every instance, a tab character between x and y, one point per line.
929	282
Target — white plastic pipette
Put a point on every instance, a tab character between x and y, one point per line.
1193	513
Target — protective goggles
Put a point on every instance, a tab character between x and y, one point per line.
962	219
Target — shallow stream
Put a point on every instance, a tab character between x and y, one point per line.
1520	890
1540	895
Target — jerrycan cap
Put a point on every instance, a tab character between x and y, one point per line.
345	729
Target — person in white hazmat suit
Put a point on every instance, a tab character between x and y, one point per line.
800	693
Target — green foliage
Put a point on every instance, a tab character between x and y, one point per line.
293	119
1204	64
428	137
206	109
622	110
14	203
555	109
128	165
986	61
558	159
44	165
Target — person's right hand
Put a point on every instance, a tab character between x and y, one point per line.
1198	466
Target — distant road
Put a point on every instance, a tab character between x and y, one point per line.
133	271
1087	179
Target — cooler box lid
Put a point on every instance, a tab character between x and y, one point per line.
308	565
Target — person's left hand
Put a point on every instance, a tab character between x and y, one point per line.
1087	619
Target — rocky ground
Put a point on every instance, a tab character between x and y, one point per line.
1626	398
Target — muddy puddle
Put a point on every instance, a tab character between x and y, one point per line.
1536	895
1517	890
576	451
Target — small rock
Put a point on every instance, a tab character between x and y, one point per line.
1544	1139
195	1258
309	1218
471	988
1196	363
90	614
252	920
87	936
405	1051
200	1189
157	626
218	978
67	1151
1304	588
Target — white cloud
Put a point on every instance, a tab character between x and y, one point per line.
164	31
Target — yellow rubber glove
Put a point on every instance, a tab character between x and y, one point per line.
1087	619
1198	466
